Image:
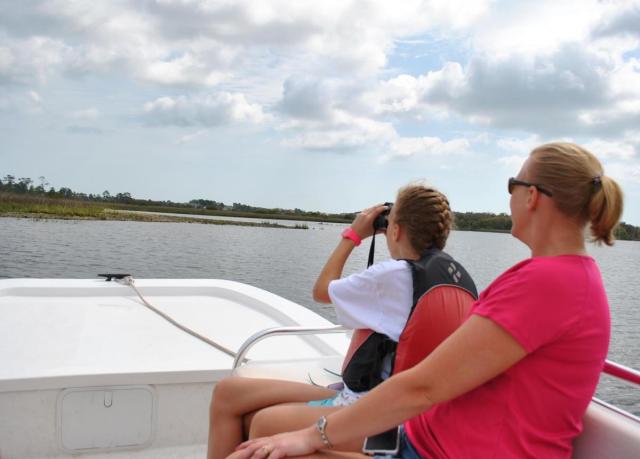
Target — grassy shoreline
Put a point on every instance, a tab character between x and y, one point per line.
40	212
44	207
228	213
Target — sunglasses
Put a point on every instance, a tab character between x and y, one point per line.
515	182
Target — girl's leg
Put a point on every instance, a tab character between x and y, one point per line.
285	418
235	397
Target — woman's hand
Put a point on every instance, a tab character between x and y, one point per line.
288	444
363	223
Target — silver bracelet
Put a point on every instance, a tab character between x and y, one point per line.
321	425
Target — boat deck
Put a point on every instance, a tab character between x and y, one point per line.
91	332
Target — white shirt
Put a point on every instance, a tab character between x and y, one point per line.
379	298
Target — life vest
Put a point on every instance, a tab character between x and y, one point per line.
443	292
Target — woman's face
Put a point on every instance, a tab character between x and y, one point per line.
518	205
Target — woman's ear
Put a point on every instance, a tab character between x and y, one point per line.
533	196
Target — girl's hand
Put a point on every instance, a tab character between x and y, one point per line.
288	444
363	223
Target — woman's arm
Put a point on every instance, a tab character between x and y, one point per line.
363	226
477	352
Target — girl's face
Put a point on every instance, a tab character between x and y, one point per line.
392	233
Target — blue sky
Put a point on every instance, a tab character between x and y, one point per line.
325	106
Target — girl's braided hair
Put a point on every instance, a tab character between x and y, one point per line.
425	214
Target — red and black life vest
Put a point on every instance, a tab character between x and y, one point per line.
443	292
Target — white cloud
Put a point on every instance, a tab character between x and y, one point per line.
343	132
513	163
430	146
624	174
211	110
535	27
623	20
87	114
30	61
521	146
573	90
21	102
35	97
611	150
205	42
191	136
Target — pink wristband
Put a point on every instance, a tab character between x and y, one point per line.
348	233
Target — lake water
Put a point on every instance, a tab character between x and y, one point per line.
286	262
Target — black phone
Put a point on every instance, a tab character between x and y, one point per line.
383	443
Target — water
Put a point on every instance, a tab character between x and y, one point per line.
286	262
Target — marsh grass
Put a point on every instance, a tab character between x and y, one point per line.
42	207
13	203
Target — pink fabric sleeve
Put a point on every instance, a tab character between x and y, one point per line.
534	303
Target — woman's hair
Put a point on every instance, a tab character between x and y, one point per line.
580	188
425	214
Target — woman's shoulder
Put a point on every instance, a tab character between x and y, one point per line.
561	265
565	273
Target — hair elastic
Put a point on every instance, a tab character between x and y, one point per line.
597	181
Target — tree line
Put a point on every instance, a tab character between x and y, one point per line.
469	221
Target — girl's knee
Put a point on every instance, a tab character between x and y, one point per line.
225	393
262	422
281	418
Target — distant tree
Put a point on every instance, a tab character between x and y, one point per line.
9	181
626	232
65	192
206	204
43	184
123	197
106	195
23	185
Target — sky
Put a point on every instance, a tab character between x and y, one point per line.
318	105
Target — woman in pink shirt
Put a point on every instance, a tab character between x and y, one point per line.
515	379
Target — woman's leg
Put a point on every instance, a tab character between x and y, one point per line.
236	397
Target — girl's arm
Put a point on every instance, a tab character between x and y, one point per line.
363	226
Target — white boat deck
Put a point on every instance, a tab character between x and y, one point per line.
89	371
94	332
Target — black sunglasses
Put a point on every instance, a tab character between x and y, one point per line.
515	182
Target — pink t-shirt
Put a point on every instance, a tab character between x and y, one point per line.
557	309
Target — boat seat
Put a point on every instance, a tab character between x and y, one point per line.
437	314
607	434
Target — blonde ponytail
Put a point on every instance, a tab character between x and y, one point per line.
605	210
580	189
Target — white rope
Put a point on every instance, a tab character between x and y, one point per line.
128	280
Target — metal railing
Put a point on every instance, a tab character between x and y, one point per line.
622	372
280	331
